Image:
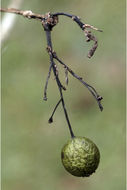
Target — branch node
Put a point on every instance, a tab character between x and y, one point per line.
49	21
49	50
27	13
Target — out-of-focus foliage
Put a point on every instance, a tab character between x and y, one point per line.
30	146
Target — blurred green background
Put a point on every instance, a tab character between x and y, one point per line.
31	147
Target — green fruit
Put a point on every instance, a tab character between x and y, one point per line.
80	156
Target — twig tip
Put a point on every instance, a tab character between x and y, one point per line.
45	98
50	120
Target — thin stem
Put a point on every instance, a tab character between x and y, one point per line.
66	75
75	18
51	117
49	43
46	84
27	13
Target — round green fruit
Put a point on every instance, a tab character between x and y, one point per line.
80	156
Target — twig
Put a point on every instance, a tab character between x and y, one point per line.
83	26
50	52
66	75
51	117
49	44
49	21
27	13
46	84
52	19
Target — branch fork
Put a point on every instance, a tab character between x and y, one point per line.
48	22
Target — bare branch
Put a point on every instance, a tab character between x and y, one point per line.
66	75
88	34
46	84
49	43
27	13
48	22
92	27
51	117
